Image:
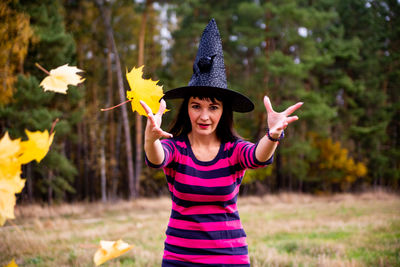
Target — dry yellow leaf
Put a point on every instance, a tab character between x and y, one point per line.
9	152
8	147
36	147
60	78
109	250
14	153
143	89
12	264
14	184
7	203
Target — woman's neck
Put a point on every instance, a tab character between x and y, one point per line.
204	148
203	140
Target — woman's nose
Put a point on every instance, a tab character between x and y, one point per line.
204	115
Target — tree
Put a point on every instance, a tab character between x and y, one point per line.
15	35
33	109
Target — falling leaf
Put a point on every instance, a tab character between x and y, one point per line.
8	189
60	78
14	153
109	250
9	152
11	264
14	185
36	147
7	203
143	89
8	147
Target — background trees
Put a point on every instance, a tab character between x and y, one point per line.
340	57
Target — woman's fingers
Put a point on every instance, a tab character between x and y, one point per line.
162	108
146	107
268	105
166	134
152	119
149	113
291	119
293	108
162	133
155	127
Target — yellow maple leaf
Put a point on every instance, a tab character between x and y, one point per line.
8	147
60	78
14	153
109	250
13	185
36	147
11	264
7	203
143	89
9	152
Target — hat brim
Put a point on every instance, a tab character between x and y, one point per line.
240	103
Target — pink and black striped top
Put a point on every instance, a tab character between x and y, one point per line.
204	228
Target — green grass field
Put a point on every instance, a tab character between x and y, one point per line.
282	230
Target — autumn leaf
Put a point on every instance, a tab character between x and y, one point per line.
143	89
11	264
10	150
14	153
7	203
8	189
109	250
36	147
59	79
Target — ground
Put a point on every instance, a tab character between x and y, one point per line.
282	230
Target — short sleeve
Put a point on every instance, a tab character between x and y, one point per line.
169	148
246	155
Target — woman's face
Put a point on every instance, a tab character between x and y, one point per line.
204	115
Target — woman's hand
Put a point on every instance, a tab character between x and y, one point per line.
153	131
278	121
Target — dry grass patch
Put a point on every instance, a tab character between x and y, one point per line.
283	230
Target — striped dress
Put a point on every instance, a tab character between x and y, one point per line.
204	228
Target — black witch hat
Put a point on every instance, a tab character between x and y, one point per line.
209	78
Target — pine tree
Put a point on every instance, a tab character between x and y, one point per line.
33	109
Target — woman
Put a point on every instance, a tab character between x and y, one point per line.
204	161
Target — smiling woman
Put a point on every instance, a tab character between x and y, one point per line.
204	161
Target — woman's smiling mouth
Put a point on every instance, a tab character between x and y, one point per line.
203	126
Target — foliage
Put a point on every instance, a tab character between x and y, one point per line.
33	109
341	58
334	166
15	34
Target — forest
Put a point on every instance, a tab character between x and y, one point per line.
340	57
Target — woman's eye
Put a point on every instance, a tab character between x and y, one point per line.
195	106
214	107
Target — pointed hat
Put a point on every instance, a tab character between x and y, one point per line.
209	78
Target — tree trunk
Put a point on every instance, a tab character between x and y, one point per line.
29	183
103	161
139	126
117	166
50	188
125	120
86	162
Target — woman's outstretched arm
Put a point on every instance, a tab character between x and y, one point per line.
153	133
277	122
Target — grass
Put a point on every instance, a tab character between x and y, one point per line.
282	230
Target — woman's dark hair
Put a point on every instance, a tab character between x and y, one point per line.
225	131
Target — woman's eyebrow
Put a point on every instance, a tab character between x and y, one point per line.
198	103
215	103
